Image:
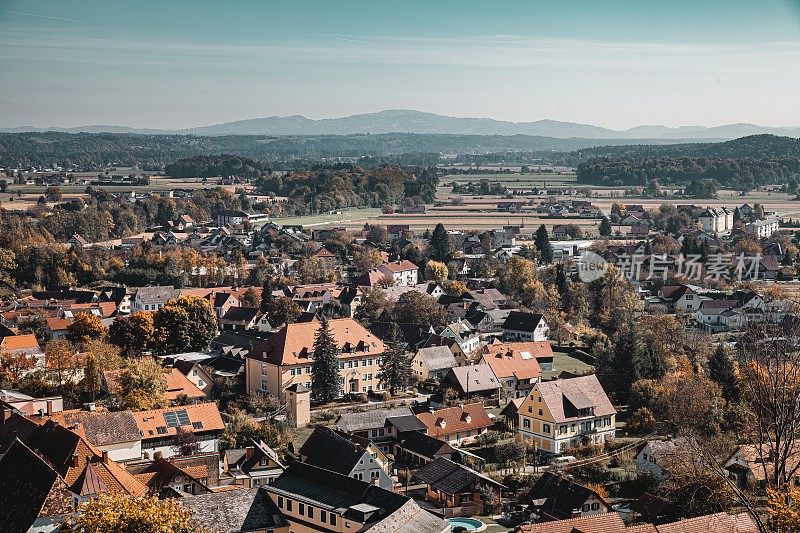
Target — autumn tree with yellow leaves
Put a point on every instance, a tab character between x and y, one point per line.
116	513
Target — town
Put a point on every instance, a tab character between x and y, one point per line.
399	267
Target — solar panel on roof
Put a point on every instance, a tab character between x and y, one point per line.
183	417
526	355
171	419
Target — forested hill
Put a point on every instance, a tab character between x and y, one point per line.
88	149
757	146
741	164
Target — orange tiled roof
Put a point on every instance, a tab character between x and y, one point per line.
454	419
178	384
20	342
400	266
293	344
208	414
58	324
602	523
507	361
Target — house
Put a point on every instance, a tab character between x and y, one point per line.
416	449
557	497
419	209
240	318
565	413
541	351
472	380
113	433
510	207
180	475
236	511
158	427
455	486
152	298
56	328
79	470
253	466
716	220
196	374
231	217
373	425
752	469
28	405
511	412
286	358
432	362
77	241
22	345
560	232
598	523
523	326
404	272
517	370
314	499
710	314
763	228
346	454
457	425
654	456
464	334
326	257
396	231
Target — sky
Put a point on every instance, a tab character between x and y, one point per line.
612	63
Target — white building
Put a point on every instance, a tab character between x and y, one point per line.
763	228
716	220
402	272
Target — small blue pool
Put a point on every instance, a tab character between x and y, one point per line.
470	524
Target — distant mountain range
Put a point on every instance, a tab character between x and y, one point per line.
408	121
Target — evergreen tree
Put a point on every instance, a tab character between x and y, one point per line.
439	247
266	295
737	215
605	227
623	362
396	367
543	245
325	371
721	370
562	282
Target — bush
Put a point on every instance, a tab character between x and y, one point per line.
487	439
324	416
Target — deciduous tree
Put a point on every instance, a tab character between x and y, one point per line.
183	325
133	334
120	513
86	327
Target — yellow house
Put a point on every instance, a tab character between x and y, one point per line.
560	414
286	358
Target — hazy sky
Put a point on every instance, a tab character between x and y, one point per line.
171	63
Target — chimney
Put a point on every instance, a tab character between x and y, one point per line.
49	407
576	513
74	459
106	460
248	452
91	407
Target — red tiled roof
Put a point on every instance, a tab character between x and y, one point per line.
294	343
455	419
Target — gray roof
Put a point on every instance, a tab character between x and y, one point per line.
375	418
565	396
110	427
452	478
233	511
473	378
158	294
437	357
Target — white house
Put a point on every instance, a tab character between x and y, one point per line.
152	298
402	272
763	228
522	326
716	220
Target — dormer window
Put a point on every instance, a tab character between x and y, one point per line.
442	423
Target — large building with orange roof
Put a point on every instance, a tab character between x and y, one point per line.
158	427
286	358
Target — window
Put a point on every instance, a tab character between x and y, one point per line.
545	428
323	515
310	512
264	385
263	370
541	412
374	474
562	430
530	409
280	502
288	504
585	507
332	520
197	425
301	508
595	506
